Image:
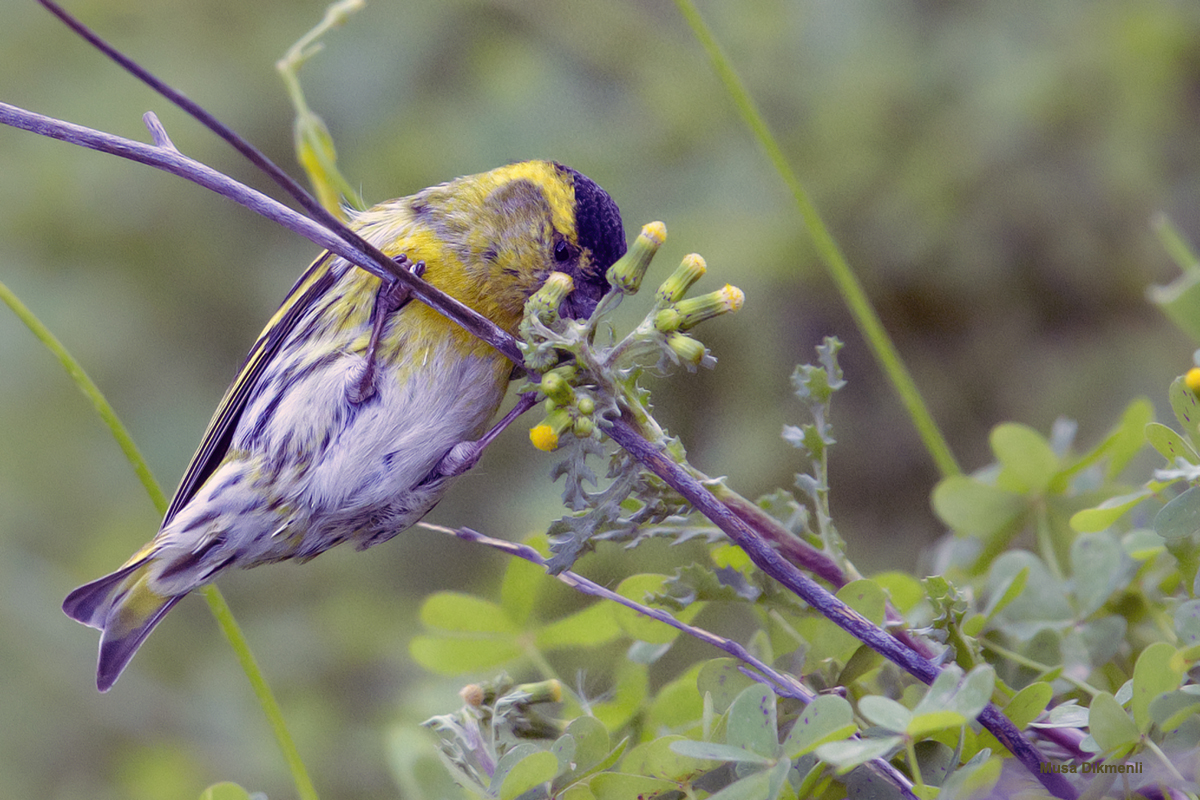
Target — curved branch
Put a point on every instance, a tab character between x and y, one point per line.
353	248
782	683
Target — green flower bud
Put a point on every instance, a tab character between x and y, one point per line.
626	275
586	405
556	388
668	319
688	349
545	301
694	310
544	692
583	427
687	273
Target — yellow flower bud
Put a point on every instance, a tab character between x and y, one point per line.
626	275
1191	379
545	436
687	273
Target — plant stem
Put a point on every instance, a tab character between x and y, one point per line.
780	682
774	564
216	602
262	690
831	255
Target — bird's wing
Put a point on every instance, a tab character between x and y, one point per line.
308	290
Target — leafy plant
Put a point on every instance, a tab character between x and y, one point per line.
1052	653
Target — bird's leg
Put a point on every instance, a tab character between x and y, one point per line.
465	455
391	297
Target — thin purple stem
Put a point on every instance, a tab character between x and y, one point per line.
770	561
782	683
355	250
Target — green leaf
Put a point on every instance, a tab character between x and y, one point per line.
715	751
627	696
519	590
1172	709
1028	703
885	713
564	750
828	718
587	627
722	679
1115	733
455	656
1042	604
1180	518
862	663
1107	513
1130	435
659	759
975	779
1154	674
577	791
1187	623
1169	444
1007	591
848	754
903	589
730	556
1142	544
591	742
532	770
621	786
1187	409
465	613
1027	461
930	722
754	786
225	791
677	705
975	691
751	721
1098	568
638	588
940	694
973	508
826	639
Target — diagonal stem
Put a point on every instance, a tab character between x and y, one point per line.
770	561
827	248
216	601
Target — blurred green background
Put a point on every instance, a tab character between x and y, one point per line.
990	170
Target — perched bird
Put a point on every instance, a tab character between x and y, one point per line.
341	424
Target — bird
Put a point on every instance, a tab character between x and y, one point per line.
357	406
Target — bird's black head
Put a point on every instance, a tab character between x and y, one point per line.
602	238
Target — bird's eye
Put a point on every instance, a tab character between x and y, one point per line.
562	251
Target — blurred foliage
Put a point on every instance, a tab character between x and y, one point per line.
990	170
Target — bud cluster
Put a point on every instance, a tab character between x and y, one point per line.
612	371
567	407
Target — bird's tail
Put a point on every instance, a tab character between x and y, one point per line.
125	609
